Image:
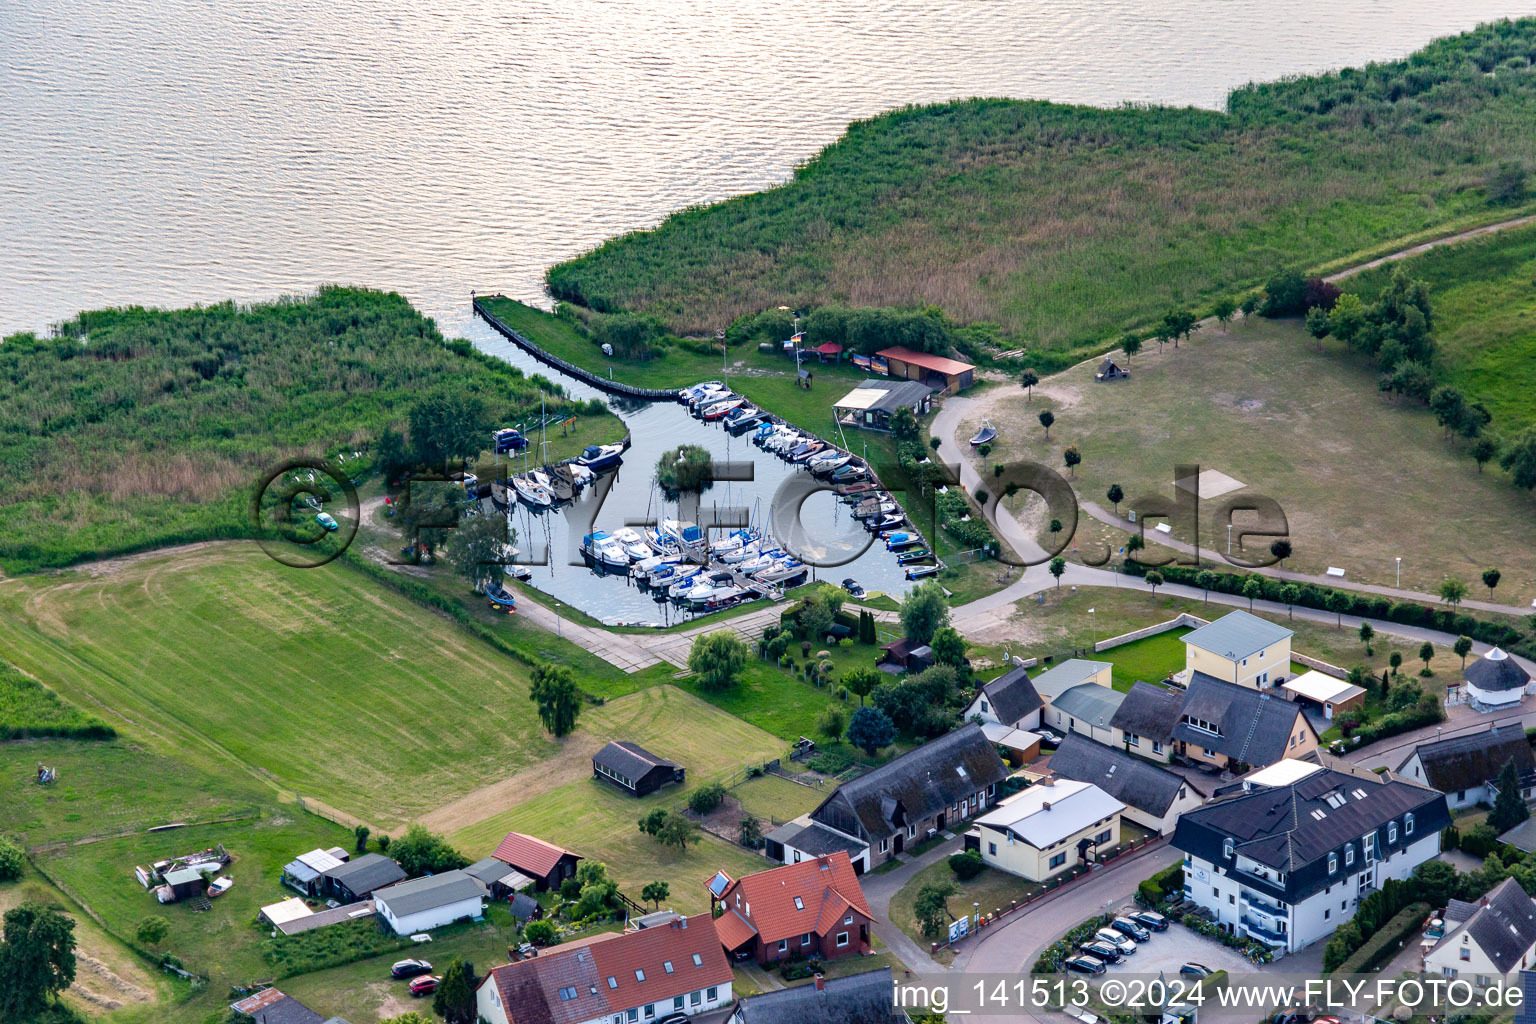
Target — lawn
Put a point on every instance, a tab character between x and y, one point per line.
314	680
993	889
1361	479
28	709
777	799
1152	659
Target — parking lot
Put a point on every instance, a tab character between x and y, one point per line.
1165	952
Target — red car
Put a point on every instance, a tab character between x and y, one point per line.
423	986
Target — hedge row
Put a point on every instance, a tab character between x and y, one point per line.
1426	712
1373	606
1387	940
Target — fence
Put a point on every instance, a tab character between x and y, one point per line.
1321	666
1184	619
616	387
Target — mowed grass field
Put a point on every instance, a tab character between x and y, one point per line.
316	681
1361	479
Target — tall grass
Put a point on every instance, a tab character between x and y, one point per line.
1066	224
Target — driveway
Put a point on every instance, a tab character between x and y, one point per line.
1165	952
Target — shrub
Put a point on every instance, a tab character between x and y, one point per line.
321	948
1479	840
1385	941
541	933
706	798
967	865
12	860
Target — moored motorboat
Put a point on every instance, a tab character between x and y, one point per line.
633	544
605	552
600	457
917	572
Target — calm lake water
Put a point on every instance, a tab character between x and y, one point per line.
166	152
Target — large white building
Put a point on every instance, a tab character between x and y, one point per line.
1287	854
430	902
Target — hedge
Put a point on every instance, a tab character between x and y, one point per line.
1372	606
1387	940
1153	891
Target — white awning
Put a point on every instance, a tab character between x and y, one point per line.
861	398
1324	689
1008	736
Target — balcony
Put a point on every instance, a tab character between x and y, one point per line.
1263	904
1263	932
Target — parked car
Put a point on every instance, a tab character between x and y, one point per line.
1198	970
1124	943
409	968
1125	926
1103	950
674	1018
1084	965
1151	919
424	985
326	522
1048	738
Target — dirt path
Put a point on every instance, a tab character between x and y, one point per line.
1414	250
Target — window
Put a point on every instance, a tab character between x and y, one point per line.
613	982
695	998
983	707
639	974
1102	837
799	903
1451	972
1133	739
797	856
783	945
1369	846
1226	848
1327	913
677	1004
885	844
713	993
805	940
666	965
842	939
911	831
1058	860
1333	862
1157	748
1349	855
567	993
992	849
1466	954
848	919
632	1015
1408	823
1392	832
1483	981
698	961
650	1010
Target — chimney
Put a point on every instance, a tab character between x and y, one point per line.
821	983
1049	780
1045	804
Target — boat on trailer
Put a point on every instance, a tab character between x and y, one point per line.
986	435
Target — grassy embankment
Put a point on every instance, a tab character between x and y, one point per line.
1065	225
768	379
139	428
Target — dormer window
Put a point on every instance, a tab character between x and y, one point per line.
1349	855
1392	832
1333	862
1408	823
1226	848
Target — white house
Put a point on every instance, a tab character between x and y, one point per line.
1154	797
430	902
1047	829
1240	648
1496	680
1465	768
627	978
1010	699
1286	856
1489	941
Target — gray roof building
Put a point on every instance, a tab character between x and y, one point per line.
1012	696
1476	759
271	1006
429	893
1091	703
1053	682
813	838
1238	635
1128	779
1244	725
1504	926
856	999
362	876
1149	710
1496	671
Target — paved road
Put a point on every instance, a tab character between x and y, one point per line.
880	888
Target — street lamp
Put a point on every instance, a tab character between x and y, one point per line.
1229	538
1094	624
1399	571
976	916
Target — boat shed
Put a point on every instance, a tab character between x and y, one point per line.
874	402
947	375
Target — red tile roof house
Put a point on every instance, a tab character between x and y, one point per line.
547	864
627	978
815	908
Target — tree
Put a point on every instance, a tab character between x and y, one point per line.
421	852
1290	594
1253	587
1462	647
816	616
1347	318
924	611
1055	527
1318	325
1367	634
1452	591
446	423
1509	807
676	830
1130	345
948	646
867	633
1484	449
654	892
12	860
1027	380
37	960
861	681
1154	580
706	798
718	659
1395	659
831	723
383	842
751	833
904	425
1115	494
1281	549
1073	458
935	443
1133	545
1046	419
931	908
1205	580
1058	567
360	837
152	930
1338	602
687	469
1519	458
1491	579
541	933
1249	306
1223	310
653	820
870	729
454	1000
967	864
555	695
1426	652
480	547
1179	323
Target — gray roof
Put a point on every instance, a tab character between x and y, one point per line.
856	999
919	783
1053	682
488	870
369	872
1128	779
1149	710
1255	728
1238	635
182	876
1012	696
1505	929
630	759
1496	671
1091	703
1466	762
428	893
899	394
524	907
815	839
273	1007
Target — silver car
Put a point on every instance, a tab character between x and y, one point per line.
1124	943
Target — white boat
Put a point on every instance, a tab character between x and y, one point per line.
706	585
827	462
688	537
688	394
652	567
724	597
783	571
733	541
581	474
782	442
716	410
604	551
660	542
598	457
705	397
633	544
533	493
683	581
